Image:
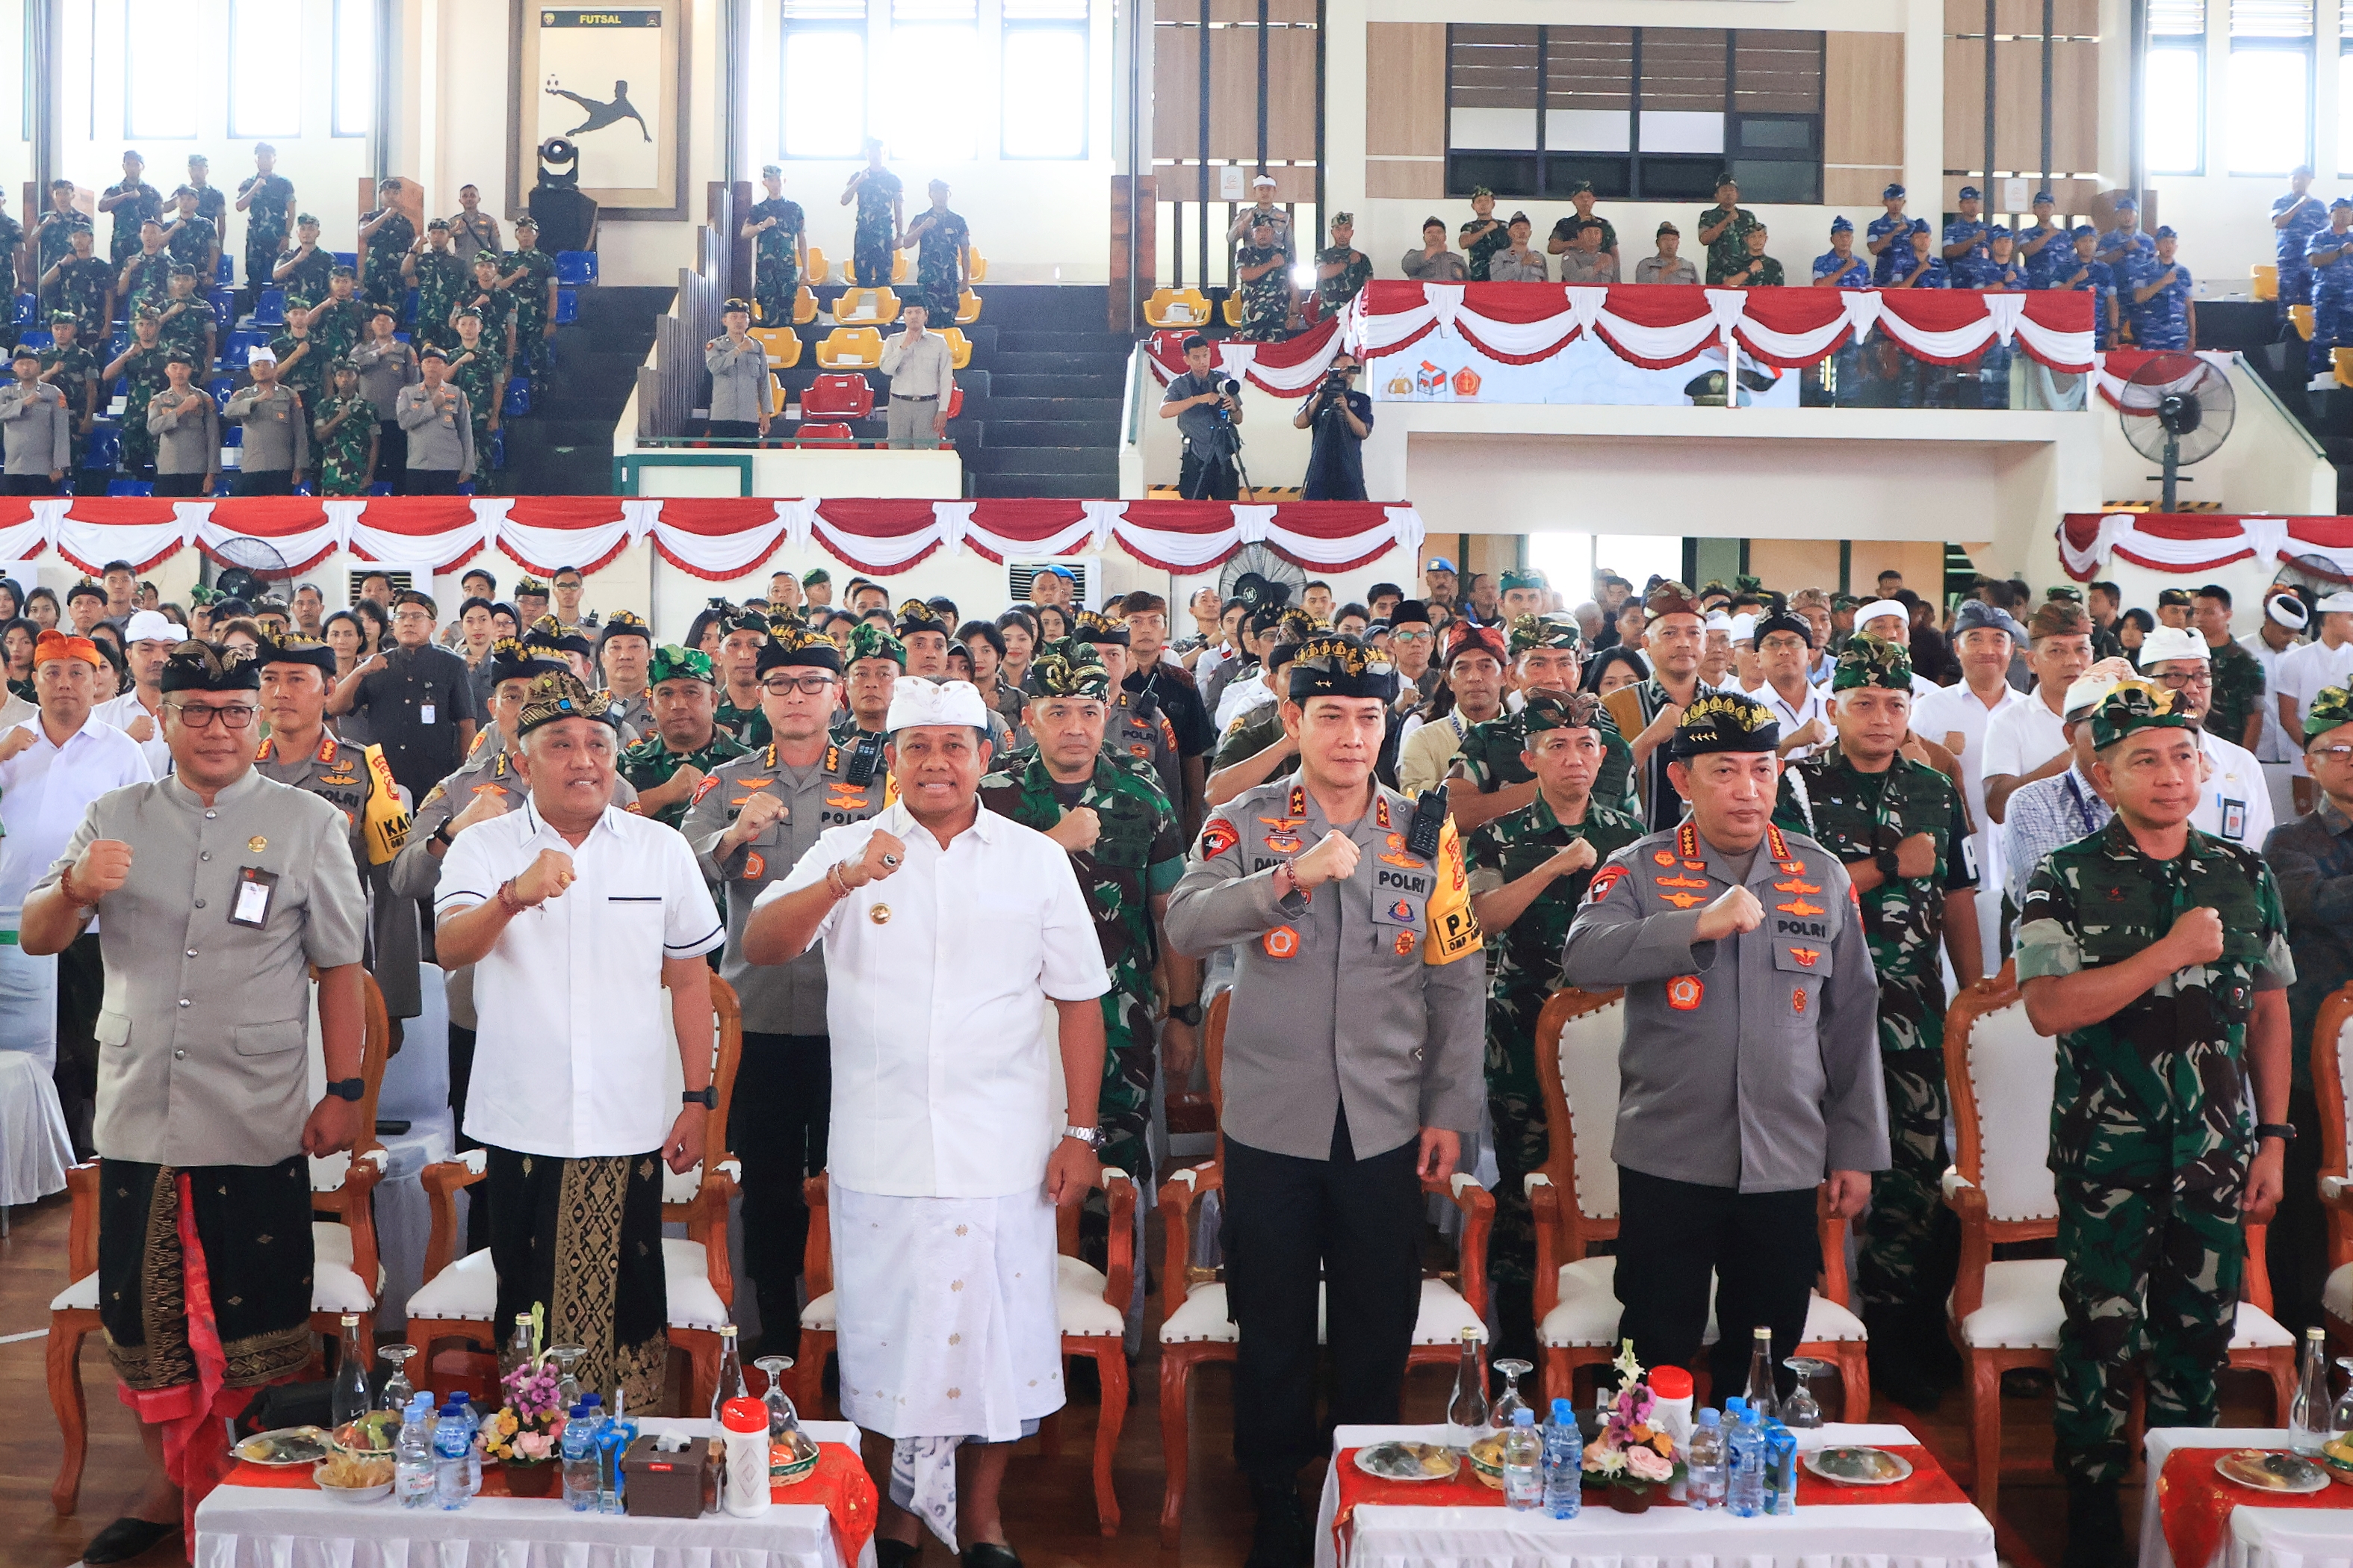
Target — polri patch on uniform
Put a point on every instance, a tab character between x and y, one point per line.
1218	837
1684	992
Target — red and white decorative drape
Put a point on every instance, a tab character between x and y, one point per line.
2195	544
715	539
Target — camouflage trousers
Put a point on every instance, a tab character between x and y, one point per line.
1911	1242
138	441
2151	1276
261	257
1517	1108
1123	1106
870	256
776	280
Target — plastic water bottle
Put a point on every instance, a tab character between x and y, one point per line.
1564	1462
1745	1478
471	1420
580	1461
412	1456
1523	1463
452	1448
1704	1464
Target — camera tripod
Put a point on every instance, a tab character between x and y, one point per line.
1223	445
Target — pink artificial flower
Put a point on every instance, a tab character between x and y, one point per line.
535	1445
1647	1464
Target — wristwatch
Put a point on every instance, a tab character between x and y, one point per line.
1188	1015
706	1097
1885	860
1089	1136
2279	1129
441	833
347	1088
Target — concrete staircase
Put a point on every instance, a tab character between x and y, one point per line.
564	446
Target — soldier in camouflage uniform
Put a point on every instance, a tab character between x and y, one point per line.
80	286
301	366
1546	652
528	275
343	427
735	670
386	236
190	236
2158	1166
479	369
53	233
72	369
2238	691
942	240
140	367
339	322
434	271
1485	237
134	202
876	190
146	277
1724	229
1135	728
1128	850
265	198
493	305
1263	277
188	320
778	231
667	765
1528	871
306	271
1899	828
1341	270
12	242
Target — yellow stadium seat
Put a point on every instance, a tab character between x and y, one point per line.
975	269
816	264
803	307
2302	316
967	308
850	348
782	343
2341	361
859	306
898	267
1177	308
2264	277
1233	310
959	346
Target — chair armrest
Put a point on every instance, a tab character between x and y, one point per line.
2336	1210
1831	1232
81	1244
1185	1188
441	1182
1478	1208
1952	1183
1543	1206
1968	1202
1119	1261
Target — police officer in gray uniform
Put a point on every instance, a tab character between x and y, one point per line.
217	891
743	393
1354	1065
1749	1076
440	426
751	820
277	443
36	431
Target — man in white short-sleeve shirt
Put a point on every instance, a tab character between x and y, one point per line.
2304	672
576	916
950	934
2029	741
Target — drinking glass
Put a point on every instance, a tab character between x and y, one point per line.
1509	1400
1801	1410
567	1387
397	1391
2341	1418
782	1416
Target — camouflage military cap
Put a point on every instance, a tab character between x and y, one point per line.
1560	710
2132	707
868	641
1058	675
671	662
1094	627
1517	578
558	696
440	223
2333	706
311	220
1333	664
2065	593
915	616
1872	661
1724	721
1546	631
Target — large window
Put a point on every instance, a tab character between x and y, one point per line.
157	106
265	99
2269	109
1044	41
2173	87
355	84
927	84
1642	113
935	79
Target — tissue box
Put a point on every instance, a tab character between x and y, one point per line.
670	1486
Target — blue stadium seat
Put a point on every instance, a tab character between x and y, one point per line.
129	487
118	345
269	309
226	271
223	304
102	447
409	307
379	490
28	310
221	386
232	434
400	337
567	306
518	402
497	448
238	342
576	268
350	258
36	338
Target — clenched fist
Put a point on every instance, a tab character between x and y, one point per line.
106	866
1735	912
15	741
1078	830
1571	860
883	855
142	729
751	822
1809	733
1332	860
1915	856
545	878
1660	728
2196	936
680	786
491	803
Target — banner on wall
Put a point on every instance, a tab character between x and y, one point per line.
1585	371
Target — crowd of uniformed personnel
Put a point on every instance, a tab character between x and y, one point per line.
349	353
1630	785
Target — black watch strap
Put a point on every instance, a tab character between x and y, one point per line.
2279	1129
347	1088
1188	1015
1885	860
706	1098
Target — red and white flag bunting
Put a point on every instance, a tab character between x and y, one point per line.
2195	544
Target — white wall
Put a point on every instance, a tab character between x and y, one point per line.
2269	464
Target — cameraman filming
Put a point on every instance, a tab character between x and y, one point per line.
1340	417
1205	408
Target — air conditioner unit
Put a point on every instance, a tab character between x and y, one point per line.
403	579
1086	593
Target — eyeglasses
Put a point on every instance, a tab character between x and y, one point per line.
808	685
2333	754
2176	682
200	715
1401	635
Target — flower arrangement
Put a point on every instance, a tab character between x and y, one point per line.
1632	1457
528	1428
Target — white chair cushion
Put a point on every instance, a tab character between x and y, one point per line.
335	1287
1588	1314
2336	1295
680	1186
1588	1076
1442	1317
2022	1311
2010	1072
81	1296
1079	1299
468	1290
1201	1319
818	1313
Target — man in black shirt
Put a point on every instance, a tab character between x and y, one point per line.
418	699
1205	415
1340	417
1171	686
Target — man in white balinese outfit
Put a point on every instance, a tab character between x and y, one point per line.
945	1158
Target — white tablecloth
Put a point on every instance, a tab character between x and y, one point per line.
264	1527
1914	1535
2259	1537
34	1148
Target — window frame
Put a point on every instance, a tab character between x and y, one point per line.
2194	48
1083	30
132	130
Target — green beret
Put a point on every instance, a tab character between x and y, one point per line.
1057	674
815	576
1517	578
559	696
868	641
671	662
1872	661
1560	710
1724	721
2333	706
1546	631
2134	706
1333	664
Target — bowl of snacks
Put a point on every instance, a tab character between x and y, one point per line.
372	1434
1487	1459
791	1457
354	1478
2337	1458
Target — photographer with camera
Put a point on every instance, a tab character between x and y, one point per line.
1340	417
1207	407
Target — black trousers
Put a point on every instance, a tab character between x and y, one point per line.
732	430
263	482
182	484
1197	481
431	483
391	456
2298	1251
477	1197
1763	1248
777	1126
1356	1223
81	991
27	485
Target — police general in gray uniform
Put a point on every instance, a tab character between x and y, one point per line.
751	820
1749	1075
1352	1066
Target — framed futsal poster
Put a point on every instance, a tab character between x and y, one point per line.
613	81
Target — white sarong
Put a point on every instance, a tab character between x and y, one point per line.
947	1328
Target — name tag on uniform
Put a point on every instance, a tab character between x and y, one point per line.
255	889
2234	820
425	713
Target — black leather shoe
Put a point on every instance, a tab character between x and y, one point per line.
890	1553
988	1554
2095	1526
126	1538
1279	1539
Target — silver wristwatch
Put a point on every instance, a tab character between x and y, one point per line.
1089	1136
